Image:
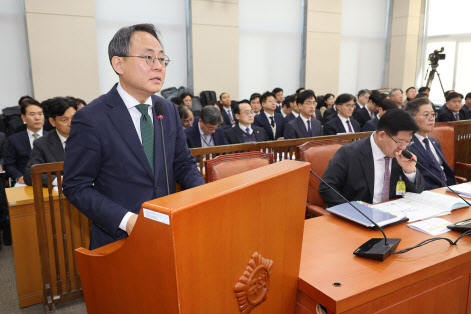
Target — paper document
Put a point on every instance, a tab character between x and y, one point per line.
463	189
432	226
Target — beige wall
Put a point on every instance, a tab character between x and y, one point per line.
62	46
215	27
404	43
324	19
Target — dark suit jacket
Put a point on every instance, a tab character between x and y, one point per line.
193	136
289	118
107	173
468	115
17	154
362	116
329	114
335	126
46	149
351	172
261	120
445	115
430	182
297	129
370	125
227	122
3	147
465	108
234	135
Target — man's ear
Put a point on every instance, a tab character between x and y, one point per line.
23	117
117	63
237	116
52	122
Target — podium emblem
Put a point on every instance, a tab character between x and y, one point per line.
251	289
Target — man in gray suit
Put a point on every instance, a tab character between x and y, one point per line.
51	147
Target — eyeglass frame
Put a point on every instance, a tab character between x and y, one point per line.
430	115
165	59
399	143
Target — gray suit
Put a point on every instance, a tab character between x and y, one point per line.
297	129
46	149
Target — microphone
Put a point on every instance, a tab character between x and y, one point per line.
159	112
409	156
375	248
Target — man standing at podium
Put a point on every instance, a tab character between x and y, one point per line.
114	158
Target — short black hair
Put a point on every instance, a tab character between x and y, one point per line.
264	96
237	108
377	97
289	99
423	89
414	105
344	98
243	101
387	104
254	96
57	106
184	111
421	95
363	92
412	87
182	96
23	98
28	102
277	90
211	115
220	96
305	95
448	91
395	121
299	90
176	100
452	95
468	95
79	101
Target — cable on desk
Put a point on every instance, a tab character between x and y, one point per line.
432	240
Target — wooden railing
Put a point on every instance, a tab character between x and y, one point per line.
462	145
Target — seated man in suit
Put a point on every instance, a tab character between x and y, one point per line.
245	131
255	103
186	116
278	92
452	110
383	107
291	100
20	144
206	132
370	110
362	98
343	122
467	103
285	108
51	147
272	122
227	111
305	125
427	148
370	169
397	96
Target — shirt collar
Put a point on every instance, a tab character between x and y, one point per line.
201	131
268	116
420	137
343	119
304	119
63	139
295	114
377	153
30	133
128	100
243	128
227	110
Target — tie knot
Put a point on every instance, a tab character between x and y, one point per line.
143	109
425	140
348	121
247	130
35	135
386	159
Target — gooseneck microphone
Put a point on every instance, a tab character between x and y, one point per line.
159	112
376	248
409	156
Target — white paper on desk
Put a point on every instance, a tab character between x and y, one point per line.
411	209
432	226
446	202
56	188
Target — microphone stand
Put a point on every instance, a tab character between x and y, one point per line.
160	118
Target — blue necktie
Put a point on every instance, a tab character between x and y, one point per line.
433	159
309	130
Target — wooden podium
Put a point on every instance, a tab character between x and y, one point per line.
225	247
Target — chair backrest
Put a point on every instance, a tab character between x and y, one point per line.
446	136
318	153
224	166
61	229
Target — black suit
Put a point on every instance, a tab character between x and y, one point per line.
297	128
465	108
329	114
362	116
227	122
351	172
45	150
261	120
445	115
234	135
335	126
371	125
193	136
289	118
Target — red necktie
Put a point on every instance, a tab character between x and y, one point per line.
349	127
387	177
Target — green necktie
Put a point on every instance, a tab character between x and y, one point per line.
35	135
147	133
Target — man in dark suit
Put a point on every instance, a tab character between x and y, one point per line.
291	100
369	169
467	103
272	122
114	156
452	110
278	92
227	111
305	125
362	98
51	147
245	131
384	106
343	122
426	148
20	144
5	229
206	132
369	111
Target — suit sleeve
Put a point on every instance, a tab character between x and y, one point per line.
3	145
83	158
227	134
416	187
289	132
335	175
10	161
37	157
329	130
264	135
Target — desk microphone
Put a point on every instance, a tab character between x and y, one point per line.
375	248
409	156
159	112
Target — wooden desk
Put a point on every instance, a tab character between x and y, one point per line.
434	278
25	240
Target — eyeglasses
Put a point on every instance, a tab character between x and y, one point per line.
310	103
211	128
151	59
429	116
400	143
348	106
248	112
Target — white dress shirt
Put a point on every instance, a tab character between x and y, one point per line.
204	142
244	128
344	122
63	140
31	137
295	114
305	122
379	167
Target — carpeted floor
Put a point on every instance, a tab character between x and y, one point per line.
9	296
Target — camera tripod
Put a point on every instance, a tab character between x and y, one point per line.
431	76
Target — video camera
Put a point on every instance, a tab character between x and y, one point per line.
435	56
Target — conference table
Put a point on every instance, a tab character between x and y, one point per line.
434	278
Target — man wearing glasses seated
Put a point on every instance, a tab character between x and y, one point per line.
427	148
372	169
343	121
206	132
244	131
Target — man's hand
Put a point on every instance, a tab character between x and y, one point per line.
407	165
280	138
131	223
20	180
